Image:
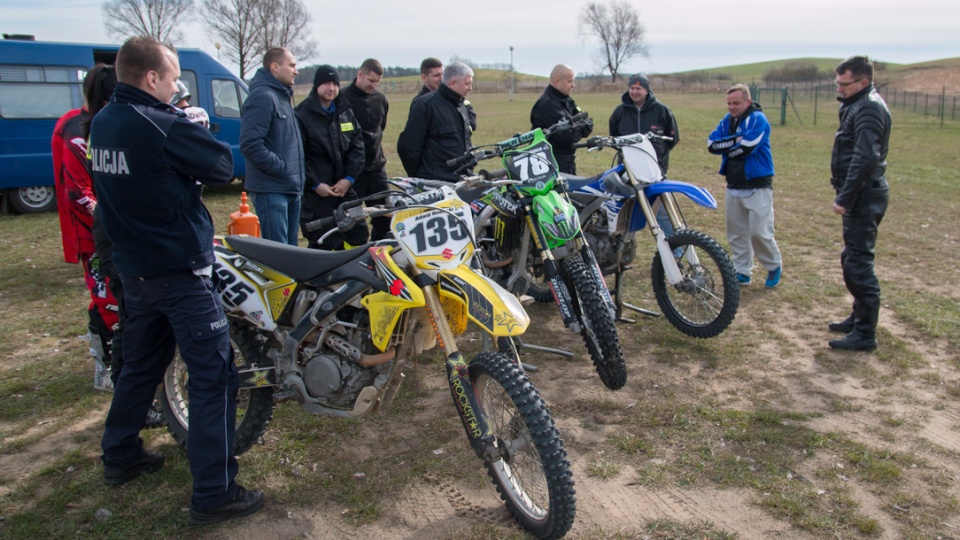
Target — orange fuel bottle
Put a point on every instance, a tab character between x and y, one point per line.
243	221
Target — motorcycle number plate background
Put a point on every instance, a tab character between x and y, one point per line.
427	233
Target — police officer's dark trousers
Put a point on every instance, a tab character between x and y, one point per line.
163	313
860	224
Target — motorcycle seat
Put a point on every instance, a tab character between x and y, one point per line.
576	182
299	263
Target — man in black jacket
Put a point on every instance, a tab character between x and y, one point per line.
370	107
146	157
858	167
438	128
641	112
431	74
554	105
333	158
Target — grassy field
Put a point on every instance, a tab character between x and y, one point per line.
761	432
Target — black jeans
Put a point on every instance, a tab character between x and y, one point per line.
860	224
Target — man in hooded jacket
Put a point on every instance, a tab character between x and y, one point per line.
335	158
641	112
742	139
270	142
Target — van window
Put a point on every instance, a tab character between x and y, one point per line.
228	98
189	78
39	91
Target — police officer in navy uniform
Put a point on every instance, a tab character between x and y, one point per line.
145	157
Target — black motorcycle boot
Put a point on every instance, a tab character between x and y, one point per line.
844	327
146	462
864	334
243	503
855	341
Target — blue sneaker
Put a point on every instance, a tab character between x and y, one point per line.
773	277
743	279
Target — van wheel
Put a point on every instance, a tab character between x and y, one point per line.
32	199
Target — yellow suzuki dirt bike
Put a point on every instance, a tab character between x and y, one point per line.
333	331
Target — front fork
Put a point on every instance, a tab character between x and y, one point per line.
462	390
670	266
550	270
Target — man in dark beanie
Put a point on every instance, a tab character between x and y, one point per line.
641	112
333	157
370	107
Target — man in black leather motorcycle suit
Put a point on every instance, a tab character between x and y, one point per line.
858	168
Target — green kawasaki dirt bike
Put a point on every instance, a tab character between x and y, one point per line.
531	242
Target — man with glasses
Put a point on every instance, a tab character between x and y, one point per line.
858	167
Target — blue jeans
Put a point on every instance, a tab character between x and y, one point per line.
279	215
165	313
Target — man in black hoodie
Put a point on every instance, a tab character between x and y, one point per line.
554	105
333	158
370	108
642	112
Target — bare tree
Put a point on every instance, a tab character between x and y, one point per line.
618	28
247	28
286	23
237	24
157	18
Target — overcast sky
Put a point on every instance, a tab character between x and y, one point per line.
682	34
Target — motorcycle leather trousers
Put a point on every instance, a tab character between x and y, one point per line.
860	225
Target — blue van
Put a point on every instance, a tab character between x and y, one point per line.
40	81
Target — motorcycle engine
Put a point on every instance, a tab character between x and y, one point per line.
604	246
333	377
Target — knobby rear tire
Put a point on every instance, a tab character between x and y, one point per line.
254	406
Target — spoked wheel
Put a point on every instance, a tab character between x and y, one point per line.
597	323
254	406
705	301
532	474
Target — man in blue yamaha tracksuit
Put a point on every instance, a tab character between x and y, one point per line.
146	157
743	140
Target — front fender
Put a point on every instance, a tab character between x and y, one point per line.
696	194
487	304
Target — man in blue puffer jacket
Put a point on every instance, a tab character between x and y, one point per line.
270	142
743	139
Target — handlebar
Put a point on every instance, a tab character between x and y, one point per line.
598	142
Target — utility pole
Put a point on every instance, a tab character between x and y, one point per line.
511	73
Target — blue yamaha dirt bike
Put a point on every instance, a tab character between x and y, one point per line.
694	280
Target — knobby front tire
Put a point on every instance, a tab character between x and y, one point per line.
533	476
705	302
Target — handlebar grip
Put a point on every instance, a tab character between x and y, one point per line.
580	117
458	161
496	173
322	223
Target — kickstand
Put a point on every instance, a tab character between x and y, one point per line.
619	304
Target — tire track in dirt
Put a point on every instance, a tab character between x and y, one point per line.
56	438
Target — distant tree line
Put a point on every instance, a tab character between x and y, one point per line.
347	73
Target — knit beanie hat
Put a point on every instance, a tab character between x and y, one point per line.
640	79
325	74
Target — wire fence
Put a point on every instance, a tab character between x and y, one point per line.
802	101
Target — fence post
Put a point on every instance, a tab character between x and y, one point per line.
943	103
816	100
